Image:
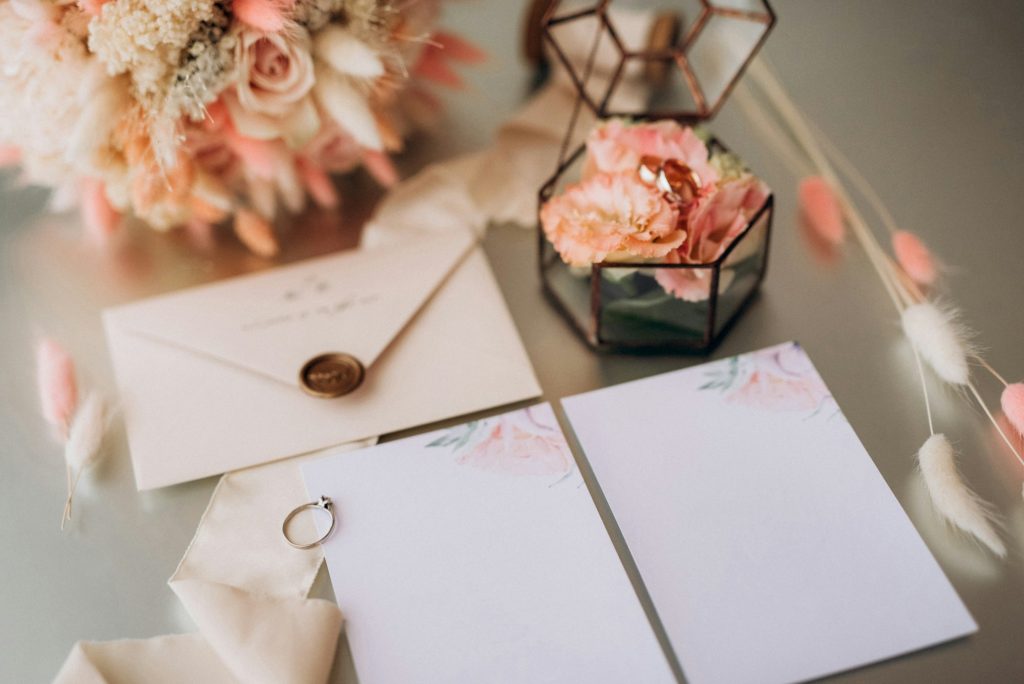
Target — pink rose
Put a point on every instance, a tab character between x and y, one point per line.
272	96
611	217
616	147
275	70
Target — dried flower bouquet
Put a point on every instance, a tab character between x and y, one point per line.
191	112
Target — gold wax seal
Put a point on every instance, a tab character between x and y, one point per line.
331	375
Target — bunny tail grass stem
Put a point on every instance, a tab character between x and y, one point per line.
924	391
796	163
985	364
72	486
995	423
805	137
862	184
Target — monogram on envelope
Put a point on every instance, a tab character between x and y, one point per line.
211	378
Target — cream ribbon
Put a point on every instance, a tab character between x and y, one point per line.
243	586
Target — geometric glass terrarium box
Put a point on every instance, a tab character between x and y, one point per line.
652	235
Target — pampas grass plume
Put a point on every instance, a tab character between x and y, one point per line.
952	498
1012	402
938	337
99	216
914	257
346	53
820	208
58	389
86	433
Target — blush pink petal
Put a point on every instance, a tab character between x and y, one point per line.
458	48
433	66
914	257
820	208
256	233
720	217
380	167
510	449
98	215
688	284
9	155
1012	402
617	147
773	392
611	214
264	15
58	388
318	183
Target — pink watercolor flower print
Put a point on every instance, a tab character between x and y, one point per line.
513	444
778	379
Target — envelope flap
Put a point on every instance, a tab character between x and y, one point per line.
272	323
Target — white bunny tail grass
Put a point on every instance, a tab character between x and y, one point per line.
83	445
951	496
940	339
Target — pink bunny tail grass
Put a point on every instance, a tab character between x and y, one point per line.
433	66
270	16
458	48
820	208
1012	402
914	257
99	216
256	233
318	183
259	155
380	167
58	389
9	155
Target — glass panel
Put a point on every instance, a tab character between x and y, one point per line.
741	271
635	22
650	306
720	51
569	286
587	51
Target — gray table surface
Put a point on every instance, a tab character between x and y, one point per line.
925	96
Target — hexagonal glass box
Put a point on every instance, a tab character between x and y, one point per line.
619	305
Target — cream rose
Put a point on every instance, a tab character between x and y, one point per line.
275	70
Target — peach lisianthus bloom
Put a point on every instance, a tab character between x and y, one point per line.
617	147
613	217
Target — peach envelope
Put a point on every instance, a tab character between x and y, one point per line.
210	377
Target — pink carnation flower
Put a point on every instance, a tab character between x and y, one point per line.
611	217
616	147
714	222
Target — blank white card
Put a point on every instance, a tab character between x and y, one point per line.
771	546
476	554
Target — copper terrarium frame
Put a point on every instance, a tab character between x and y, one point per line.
591	332
661	52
